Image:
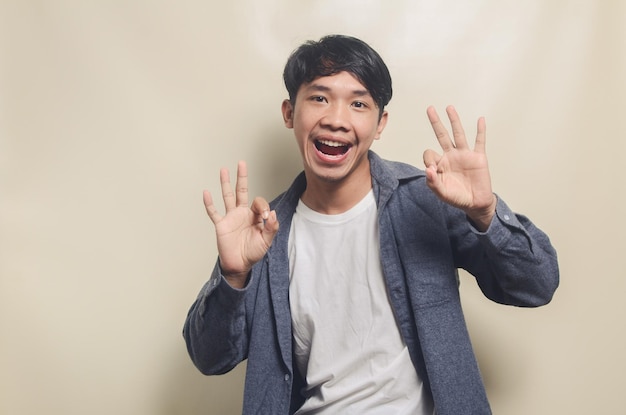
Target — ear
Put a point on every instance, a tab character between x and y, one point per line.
287	110
381	124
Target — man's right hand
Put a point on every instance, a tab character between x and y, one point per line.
244	234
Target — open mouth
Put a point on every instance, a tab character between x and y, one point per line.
332	148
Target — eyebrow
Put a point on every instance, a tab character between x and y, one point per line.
324	88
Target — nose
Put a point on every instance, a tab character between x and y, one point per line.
336	117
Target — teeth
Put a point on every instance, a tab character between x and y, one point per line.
332	143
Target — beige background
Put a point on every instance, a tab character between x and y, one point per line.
114	115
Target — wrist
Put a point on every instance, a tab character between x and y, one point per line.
236	279
481	218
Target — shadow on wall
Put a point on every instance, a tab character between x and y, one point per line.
273	162
189	392
505	364
496	358
276	159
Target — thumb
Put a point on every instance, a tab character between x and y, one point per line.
431	158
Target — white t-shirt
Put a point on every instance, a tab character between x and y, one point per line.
347	344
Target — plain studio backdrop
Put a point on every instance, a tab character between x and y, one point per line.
114	116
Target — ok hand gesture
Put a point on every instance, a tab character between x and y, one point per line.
244	234
460	176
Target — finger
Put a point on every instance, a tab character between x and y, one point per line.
433	179
431	158
227	191
270	227
440	130
210	208
481	136
261	209
457	128
242	184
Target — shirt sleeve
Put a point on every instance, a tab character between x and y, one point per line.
513	261
215	328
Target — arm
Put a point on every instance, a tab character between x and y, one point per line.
513	261
215	328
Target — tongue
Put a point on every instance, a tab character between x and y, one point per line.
331	151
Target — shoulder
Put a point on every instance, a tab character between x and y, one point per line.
400	179
402	188
390	170
286	202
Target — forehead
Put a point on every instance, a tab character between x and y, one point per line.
343	82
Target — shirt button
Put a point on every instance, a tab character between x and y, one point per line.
287	377
507	217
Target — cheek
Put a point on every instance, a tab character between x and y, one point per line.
300	132
302	128
368	130
300	136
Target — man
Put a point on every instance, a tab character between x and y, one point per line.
351	305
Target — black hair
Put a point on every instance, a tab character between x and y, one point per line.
337	53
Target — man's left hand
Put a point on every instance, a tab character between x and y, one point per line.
460	176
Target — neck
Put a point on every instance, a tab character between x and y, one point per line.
332	198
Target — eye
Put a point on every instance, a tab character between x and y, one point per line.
318	98
359	104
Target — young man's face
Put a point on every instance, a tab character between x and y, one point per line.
335	121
